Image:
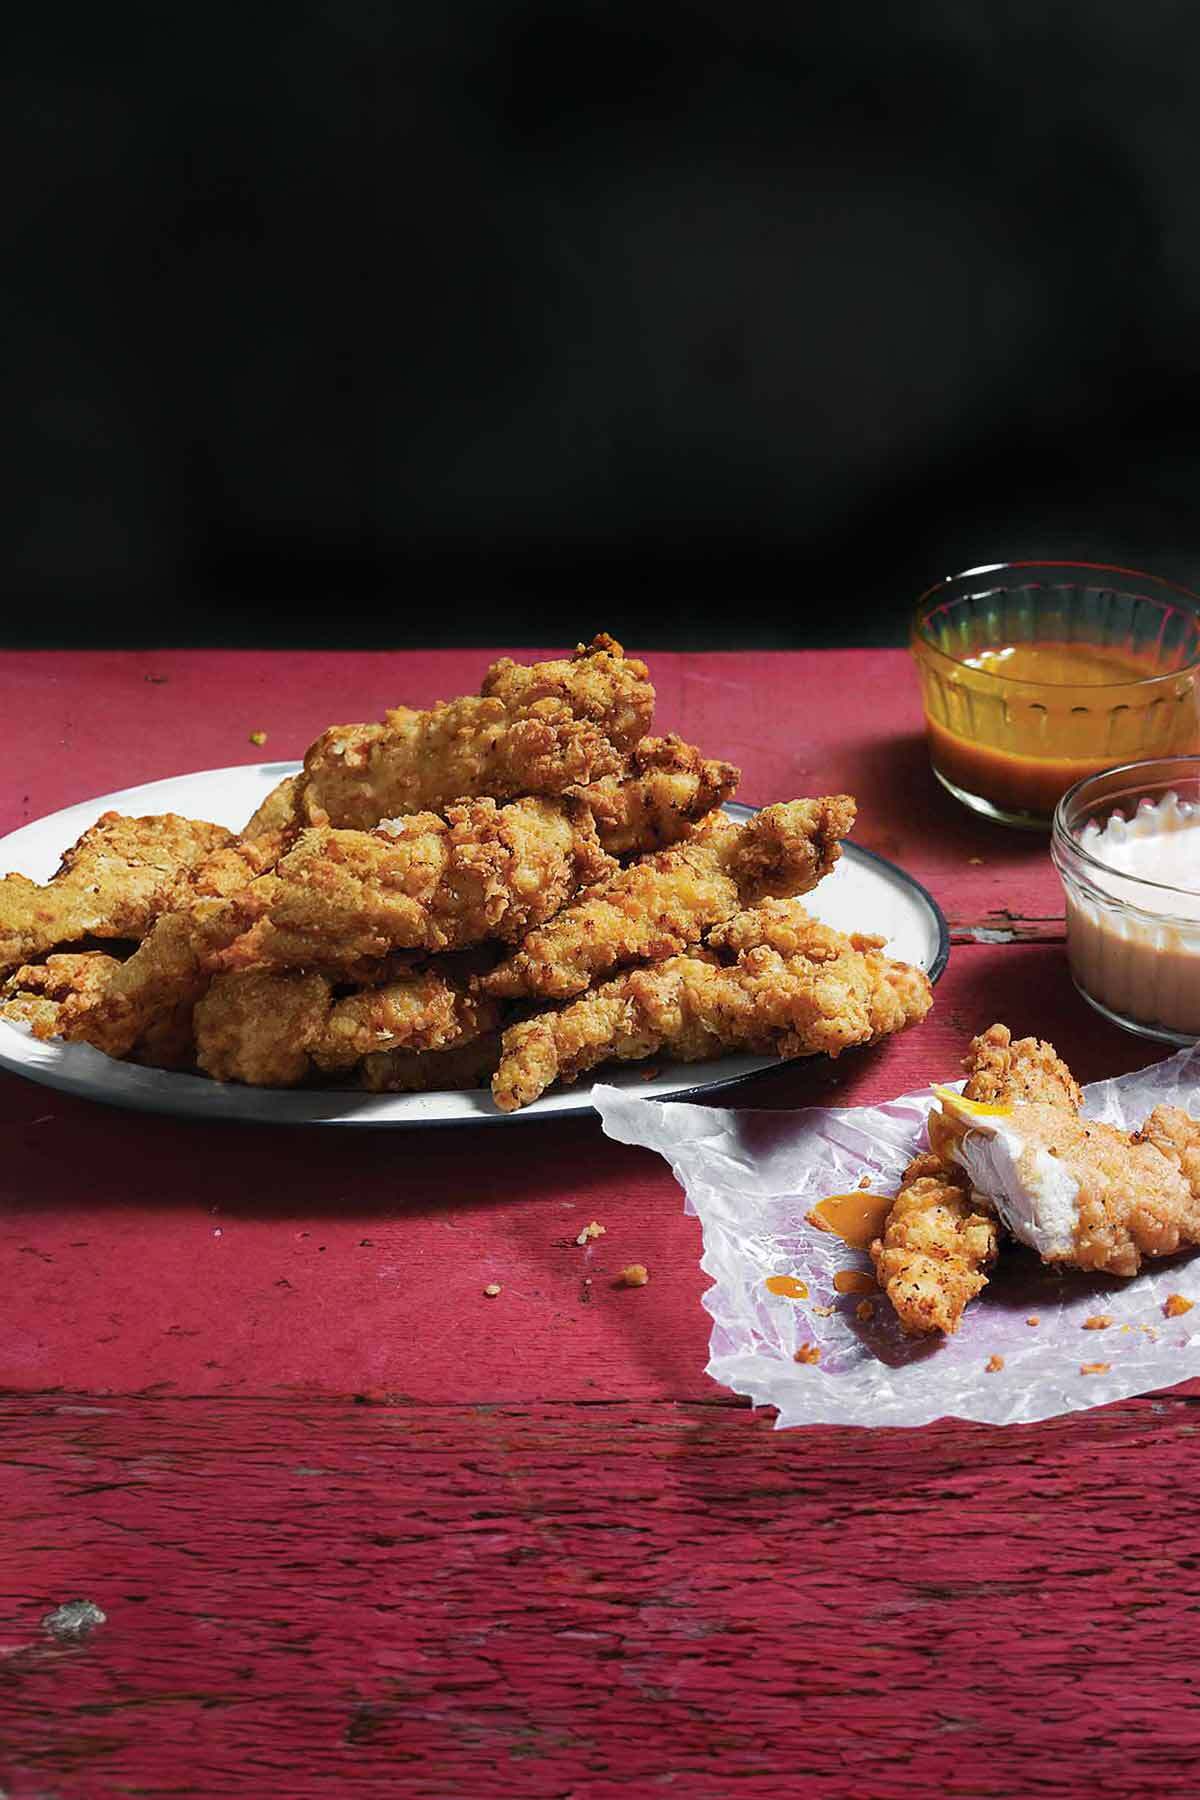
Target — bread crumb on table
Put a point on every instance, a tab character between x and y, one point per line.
1097	1322
590	1231
808	1353
258	737
1175	1305
994	1364
636	1275
1094	1368
492	1289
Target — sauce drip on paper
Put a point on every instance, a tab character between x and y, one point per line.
856	1218
787	1285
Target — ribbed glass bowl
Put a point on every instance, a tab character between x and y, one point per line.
1010	748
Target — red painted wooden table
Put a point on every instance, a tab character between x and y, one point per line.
356	1528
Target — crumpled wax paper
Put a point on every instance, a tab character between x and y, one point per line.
751	1177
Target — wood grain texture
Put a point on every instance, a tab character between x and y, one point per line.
361	1530
544	1601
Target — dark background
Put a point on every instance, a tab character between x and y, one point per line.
711	323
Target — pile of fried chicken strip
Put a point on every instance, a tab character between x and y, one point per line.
510	888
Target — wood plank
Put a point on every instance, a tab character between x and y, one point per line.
309	1598
154	1253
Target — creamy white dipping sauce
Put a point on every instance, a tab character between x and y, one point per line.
1135	947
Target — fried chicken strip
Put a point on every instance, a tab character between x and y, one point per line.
660	905
828	993
599	682
935	1247
112	884
34	994
424	882
536	730
271	1030
669	788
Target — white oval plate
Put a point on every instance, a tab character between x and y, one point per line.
864	893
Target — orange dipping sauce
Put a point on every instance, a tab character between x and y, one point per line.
857	1218
1017	725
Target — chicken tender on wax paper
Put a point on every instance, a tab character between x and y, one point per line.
830	993
661	904
112	884
529	733
1081	1193
935	1247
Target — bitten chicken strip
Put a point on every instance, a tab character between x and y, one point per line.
660	905
829	993
538	733
1079	1192
935	1247
424	882
670	786
112	884
271	1030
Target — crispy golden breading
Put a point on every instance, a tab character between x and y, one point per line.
259	1028
112	884
421	1012
466	1065
274	1030
280	811
163	979
599	683
669	787
693	1008
231	868
660	905
935	1247
35	992
1000	1071
535	730
424	882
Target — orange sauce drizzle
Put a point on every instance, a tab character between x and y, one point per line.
856	1218
787	1285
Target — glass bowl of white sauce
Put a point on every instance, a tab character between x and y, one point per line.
1126	844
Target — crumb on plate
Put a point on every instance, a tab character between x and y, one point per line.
1094	1368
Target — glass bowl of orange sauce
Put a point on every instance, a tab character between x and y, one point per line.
1036	675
